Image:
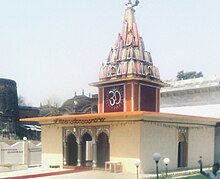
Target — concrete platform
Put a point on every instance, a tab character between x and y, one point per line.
8	168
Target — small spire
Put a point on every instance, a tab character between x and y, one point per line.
83	92
75	93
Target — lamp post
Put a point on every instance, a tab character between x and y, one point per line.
156	157
166	162
137	164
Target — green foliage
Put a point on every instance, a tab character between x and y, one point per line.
177	176
193	177
188	75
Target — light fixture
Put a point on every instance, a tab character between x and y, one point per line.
166	162
156	157
137	163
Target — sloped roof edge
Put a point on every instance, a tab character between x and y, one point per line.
130	116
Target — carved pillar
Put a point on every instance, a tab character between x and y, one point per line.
65	153
79	153
94	162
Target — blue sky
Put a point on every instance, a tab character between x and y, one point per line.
53	48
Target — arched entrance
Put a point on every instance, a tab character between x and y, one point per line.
182	150
86	150
102	149
72	150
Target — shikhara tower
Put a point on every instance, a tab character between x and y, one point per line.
129	81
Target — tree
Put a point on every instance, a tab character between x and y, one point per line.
50	107
188	75
52	101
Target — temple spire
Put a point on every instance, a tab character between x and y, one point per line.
128	58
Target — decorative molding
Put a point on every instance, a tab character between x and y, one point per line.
104	130
182	132
69	131
85	130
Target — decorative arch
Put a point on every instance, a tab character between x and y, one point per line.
182	137
182	147
102	130
71	150
86	130
70	131
103	148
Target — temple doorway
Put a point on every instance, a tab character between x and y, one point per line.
182	150
72	150
87	150
102	149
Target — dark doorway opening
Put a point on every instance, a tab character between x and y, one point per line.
72	150
102	149
182	151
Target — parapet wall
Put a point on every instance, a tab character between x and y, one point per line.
17	152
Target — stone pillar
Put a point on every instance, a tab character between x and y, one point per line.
94	162
25	151
79	153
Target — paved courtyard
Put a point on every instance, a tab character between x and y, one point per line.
37	172
95	175
41	173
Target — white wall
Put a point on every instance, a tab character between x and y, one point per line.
125	144
52	146
201	143
211	110
161	139
17	152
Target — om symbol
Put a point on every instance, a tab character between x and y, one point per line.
114	97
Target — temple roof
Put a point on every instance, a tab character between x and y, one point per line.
128	58
138	116
189	84
78	104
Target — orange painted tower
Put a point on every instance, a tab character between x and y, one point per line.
129	81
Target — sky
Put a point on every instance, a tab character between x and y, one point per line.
54	48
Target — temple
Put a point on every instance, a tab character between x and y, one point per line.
129	124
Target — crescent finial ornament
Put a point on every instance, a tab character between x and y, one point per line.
133	5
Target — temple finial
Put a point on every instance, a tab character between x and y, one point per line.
133	5
136	3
